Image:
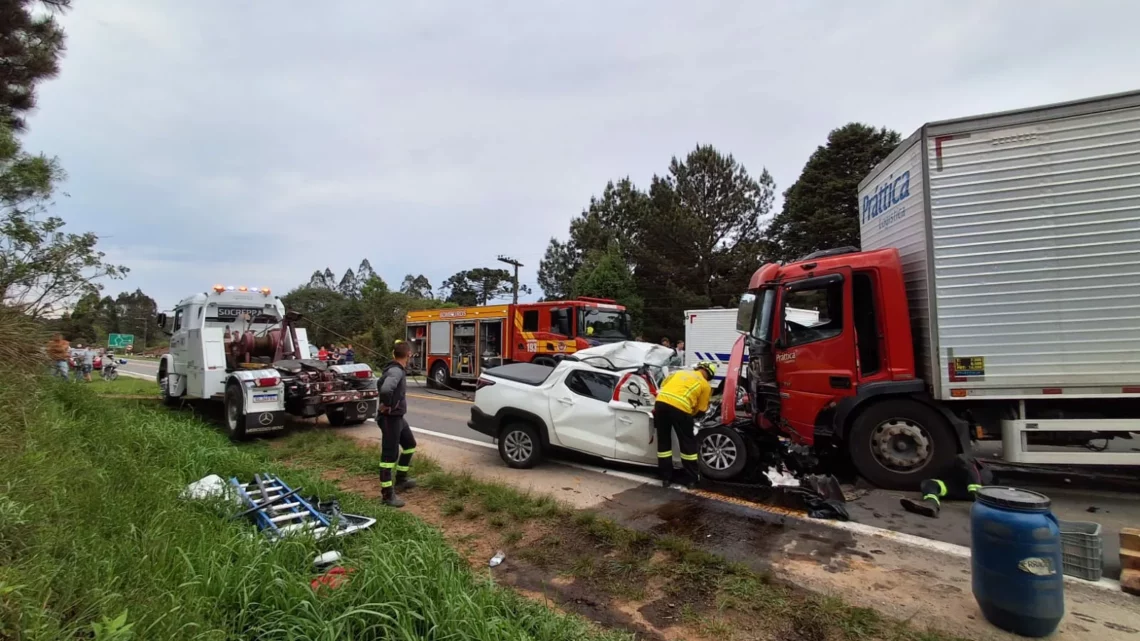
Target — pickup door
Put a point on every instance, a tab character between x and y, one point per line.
580	411
633	410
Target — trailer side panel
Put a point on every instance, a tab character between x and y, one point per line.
1035	227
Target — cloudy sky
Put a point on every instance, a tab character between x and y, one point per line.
254	142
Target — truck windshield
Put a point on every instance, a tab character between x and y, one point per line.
603	324
766	309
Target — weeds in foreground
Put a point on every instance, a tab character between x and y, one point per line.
115	554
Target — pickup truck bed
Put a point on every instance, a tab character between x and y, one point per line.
525	373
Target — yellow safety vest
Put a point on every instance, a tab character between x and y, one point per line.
687	391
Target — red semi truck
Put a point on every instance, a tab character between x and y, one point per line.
995	297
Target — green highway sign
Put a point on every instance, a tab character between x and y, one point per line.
120	340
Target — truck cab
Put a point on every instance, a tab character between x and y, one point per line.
847	379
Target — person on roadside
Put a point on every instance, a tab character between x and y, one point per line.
87	363
683	395
59	351
349	355
323	353
666	342
397	443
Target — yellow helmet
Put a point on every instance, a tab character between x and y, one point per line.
707	366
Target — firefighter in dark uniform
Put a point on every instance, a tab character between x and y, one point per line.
398	444
965	479
683	396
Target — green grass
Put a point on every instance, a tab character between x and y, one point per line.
95	543
123	386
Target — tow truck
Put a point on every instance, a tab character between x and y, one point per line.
240	347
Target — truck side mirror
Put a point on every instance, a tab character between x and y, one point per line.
161	320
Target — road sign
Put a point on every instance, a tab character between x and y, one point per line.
121	341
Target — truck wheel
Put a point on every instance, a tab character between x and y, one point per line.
897	444
235	412
722	454
519	446
439	377
336	416
164	387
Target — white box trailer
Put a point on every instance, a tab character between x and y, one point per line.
711	333
1019	234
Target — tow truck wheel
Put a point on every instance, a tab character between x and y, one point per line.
164	387
235	412
519	446
336	416
896	444
722	453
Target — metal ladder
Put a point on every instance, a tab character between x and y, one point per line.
277	509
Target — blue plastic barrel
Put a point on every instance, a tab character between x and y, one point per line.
1017	575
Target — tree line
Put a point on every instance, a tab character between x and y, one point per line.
694	238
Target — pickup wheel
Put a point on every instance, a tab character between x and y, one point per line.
519	446
896	444
235	412
722	453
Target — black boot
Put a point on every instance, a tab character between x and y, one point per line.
388	497
928	506
403	482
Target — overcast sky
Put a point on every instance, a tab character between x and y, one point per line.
212	141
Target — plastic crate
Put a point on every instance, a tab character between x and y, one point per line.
1081	549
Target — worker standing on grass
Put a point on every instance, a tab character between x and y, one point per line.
397	445
964	480
683	395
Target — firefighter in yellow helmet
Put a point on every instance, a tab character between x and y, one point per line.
683	395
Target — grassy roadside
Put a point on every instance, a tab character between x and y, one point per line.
580	556
94	542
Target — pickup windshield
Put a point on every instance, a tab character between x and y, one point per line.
603	324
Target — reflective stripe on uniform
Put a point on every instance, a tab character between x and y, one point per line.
973	487
688	457
941	487
386	483
665	454
403	468
387	466
411	450
932	497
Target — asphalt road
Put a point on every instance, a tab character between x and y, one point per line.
445	412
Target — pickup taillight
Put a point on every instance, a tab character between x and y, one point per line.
268	381
482	382
362	373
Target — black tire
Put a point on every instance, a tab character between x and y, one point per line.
722	454
235	412
897	443
439	378
336	416
519	445
354	422
164	388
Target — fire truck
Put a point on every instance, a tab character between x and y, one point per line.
456	344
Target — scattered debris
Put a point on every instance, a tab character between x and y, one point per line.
277	509
332	579
497	559
327	559
781	479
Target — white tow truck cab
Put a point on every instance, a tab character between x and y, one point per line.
239	346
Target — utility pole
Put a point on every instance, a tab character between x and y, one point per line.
517	264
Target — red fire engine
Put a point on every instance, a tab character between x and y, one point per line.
458	343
